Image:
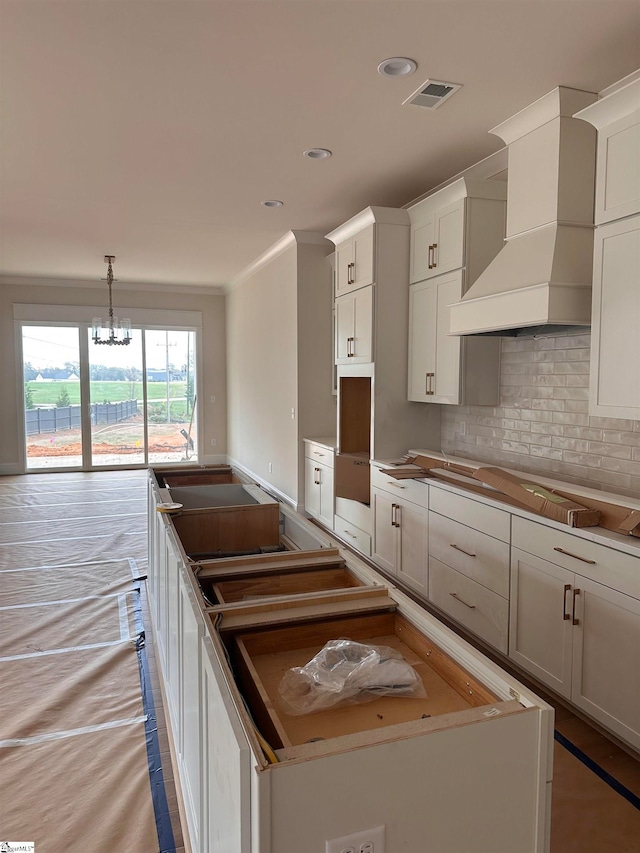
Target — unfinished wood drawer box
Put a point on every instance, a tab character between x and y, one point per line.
227	530
279	584
200	476
488	519
410	490
592	560
482	558
472	605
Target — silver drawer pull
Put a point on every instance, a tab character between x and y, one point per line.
315	453
575	556
457	598
352	535
458	548
394	483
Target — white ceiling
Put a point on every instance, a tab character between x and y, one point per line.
153	129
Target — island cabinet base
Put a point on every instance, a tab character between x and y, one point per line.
463	768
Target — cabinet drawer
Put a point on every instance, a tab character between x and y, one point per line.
356	537
410	490
588	559
476	555
319	453
494	522
472	605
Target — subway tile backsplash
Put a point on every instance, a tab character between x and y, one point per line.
542	423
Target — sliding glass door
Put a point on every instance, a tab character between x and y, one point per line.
91	406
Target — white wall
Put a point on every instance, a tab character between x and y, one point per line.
279	358
213	422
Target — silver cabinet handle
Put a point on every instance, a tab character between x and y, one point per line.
435	262
351	269
429	383
352	535
575	556
316	471
430	262
351	350
574	621
316	453
458	548
397	485
395	512
566	616
457	598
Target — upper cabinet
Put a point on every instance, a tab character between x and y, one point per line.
355	261
455	234
617	119
614	389
461	225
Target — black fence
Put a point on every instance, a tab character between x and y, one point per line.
60	418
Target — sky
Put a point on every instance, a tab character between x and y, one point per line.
50	346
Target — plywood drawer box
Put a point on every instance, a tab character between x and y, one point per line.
482	558
472	605
381	762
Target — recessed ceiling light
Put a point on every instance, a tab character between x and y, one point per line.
317	153
397	66
272	202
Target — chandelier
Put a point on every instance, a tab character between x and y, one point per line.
117	333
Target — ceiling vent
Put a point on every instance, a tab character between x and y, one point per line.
432	94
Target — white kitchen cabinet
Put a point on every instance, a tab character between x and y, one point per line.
578	636
615	342
446	368
469	565
319	493
461	225
355	261
455	234
400	530
617	119
354	327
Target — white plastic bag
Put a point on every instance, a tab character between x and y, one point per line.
345	671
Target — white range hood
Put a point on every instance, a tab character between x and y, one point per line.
541	280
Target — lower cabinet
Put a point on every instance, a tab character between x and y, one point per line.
318	491
400	537
578	636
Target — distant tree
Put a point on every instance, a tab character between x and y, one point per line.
28	397
29	371
72	367
63	398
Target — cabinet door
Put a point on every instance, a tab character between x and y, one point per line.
343	261
606	658
540	629
384	532
615	342
363	271
355	258
412	546
354	327
311	488
324	476
447	383
448	250
423	232
422	341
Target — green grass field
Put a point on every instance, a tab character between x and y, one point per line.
47	393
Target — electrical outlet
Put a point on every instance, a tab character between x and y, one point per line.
293	417
463	427
271	467
213	442
213	398
365	841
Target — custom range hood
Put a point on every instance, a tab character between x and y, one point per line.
540	281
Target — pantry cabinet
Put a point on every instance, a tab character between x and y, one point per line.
454	235
615	348
573	633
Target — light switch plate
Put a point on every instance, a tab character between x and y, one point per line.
365	841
